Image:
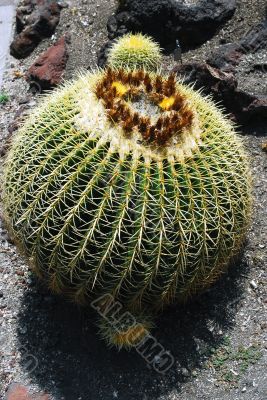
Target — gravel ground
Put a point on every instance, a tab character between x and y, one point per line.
218	341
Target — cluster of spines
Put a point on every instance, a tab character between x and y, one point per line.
157	90
135	51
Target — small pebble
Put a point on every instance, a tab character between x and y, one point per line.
23	330
185	372
253	284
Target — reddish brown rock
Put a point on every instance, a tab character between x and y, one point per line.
17	391
35	20
48	70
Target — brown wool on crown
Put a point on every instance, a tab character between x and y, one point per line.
166	121
114	91
148	83
135	80
127	130
171	122
171	81
156	97
133	92
184	108
128	77
177	103
99	92
159	123
107	100
147	78
126	114
143	124
104	83
110	99
169	91
167	134
172	77
149	87
110	74
140	75
151	136
158	84
121	75
108	103
108	95
174	118
128	125
146	134
113	115
120	108
169	85
160	139
107	87
136	118
187	118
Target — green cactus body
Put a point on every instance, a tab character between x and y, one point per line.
105	199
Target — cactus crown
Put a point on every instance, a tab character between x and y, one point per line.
124	93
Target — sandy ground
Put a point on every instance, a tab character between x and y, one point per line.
218	341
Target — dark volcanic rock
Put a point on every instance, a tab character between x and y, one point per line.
47	71
223	86
35	20
168	20
103	54
256	38
234	75
258	107
228	56
210	80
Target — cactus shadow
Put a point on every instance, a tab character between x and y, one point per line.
62	353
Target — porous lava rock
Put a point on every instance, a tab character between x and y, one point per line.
35	20
223	86
48	70
228	56
102	55
169	20
227	80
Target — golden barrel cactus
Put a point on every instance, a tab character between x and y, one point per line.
127	183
